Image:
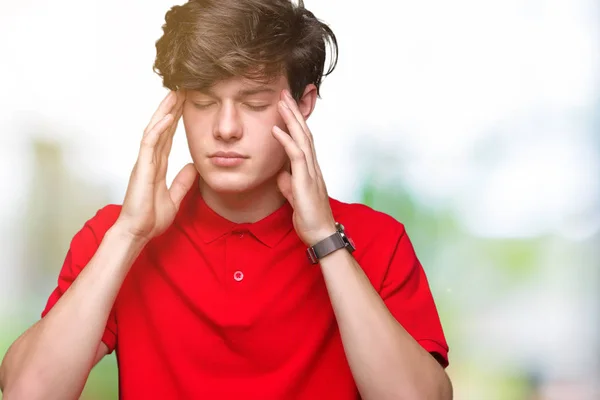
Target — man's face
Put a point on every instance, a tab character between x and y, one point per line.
228	130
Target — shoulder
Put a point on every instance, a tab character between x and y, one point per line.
376	234
383	248
82	248
104	219
364	220
95	227
87	239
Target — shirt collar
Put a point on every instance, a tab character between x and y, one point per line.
211	226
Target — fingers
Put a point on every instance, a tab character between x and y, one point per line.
182	184
163	109
294	120
296	155
289	100
284	183
299	141
293	106
166	140
148	145
158	135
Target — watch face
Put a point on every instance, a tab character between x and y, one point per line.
349	242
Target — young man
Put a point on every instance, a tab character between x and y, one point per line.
244	279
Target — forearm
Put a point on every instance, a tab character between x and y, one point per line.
54	357
386	362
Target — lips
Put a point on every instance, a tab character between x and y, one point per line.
227	154
227	159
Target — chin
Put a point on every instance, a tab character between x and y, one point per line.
230	183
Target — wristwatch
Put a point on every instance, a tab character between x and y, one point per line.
336	241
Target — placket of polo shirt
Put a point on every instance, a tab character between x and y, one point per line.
238	275
237	258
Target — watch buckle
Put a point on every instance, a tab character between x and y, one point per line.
312	256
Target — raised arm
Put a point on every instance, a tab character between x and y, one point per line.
53	358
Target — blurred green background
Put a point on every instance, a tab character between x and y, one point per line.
475	123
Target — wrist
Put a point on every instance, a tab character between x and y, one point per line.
322	234
336	258
329	241
120	233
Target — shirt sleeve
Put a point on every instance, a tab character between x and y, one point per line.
407	294
82	248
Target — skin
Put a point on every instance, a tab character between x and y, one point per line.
53	358
385	360
238	115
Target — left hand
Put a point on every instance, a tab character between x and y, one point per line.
304	187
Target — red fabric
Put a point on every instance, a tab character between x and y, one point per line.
214	309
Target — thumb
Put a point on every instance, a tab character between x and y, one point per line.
182	184
284	183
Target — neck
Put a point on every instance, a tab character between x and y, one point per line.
246	207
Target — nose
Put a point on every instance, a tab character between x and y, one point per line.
229	125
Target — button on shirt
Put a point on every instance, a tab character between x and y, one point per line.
215	309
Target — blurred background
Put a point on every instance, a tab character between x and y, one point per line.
475	123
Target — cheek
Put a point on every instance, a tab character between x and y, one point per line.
188	122
193	127
274	154
269	139
278	121
276	147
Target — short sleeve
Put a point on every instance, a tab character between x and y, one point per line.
407	294
82	248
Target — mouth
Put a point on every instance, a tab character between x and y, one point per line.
227	158
227	154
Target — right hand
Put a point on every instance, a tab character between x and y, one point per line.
150	207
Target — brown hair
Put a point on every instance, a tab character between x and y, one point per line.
205	41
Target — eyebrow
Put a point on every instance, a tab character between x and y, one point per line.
241	92
257	90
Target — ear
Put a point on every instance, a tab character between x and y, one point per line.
306	103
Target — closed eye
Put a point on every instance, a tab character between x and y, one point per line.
202	106
254	107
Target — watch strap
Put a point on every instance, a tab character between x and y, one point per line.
326	246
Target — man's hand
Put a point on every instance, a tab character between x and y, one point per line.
150	207
304	188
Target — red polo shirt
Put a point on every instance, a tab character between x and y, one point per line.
214	309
